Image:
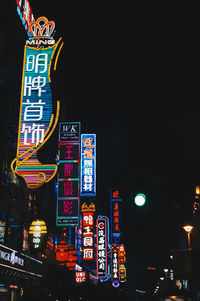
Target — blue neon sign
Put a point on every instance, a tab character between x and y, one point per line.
88	165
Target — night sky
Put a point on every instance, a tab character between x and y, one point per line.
134	81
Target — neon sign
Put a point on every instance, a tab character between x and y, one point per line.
88	231
37	119
102	243
26	15
115	265
68	176
37	232
115	212
80	276
88	165
122	261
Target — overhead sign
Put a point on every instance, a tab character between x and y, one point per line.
88	165
26	15
37	118
68	197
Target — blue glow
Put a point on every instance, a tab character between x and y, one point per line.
115	283
88	165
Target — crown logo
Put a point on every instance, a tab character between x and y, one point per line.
42	28
88	208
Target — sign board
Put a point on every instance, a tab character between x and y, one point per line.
115	215
37	116
88	165
68	198
101	247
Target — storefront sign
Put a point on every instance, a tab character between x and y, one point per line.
80	276
115	214
37	118
68	176
88	231
88	165
102	243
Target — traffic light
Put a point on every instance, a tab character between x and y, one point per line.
140	199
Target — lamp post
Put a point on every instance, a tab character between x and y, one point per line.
188	229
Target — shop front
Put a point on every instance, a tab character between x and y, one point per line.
16	270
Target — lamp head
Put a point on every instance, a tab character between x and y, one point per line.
188	228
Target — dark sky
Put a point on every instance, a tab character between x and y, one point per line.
134	80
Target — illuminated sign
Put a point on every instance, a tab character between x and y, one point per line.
88	165
115	213
122	261
11	258
66	255
37	232
101	248
26	15
88	231
68	197
115	265
25	245
2	231
80	276
37	119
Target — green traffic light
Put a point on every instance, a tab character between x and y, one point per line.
140	199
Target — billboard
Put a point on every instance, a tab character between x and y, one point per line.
68	198
38	115
88	165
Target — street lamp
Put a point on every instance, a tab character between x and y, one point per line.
188	229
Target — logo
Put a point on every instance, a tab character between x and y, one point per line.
42	28
41	32
88	208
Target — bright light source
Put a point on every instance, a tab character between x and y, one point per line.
188	228
140	199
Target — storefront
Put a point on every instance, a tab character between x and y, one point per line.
16	269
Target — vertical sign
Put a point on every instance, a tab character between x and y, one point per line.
37	117
101	247
122	261
88	165
115	208
115	265
68	198
88	231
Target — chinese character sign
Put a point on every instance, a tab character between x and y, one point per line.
37	118
115	214
102	241
88	231
115	265
68	175
88	165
